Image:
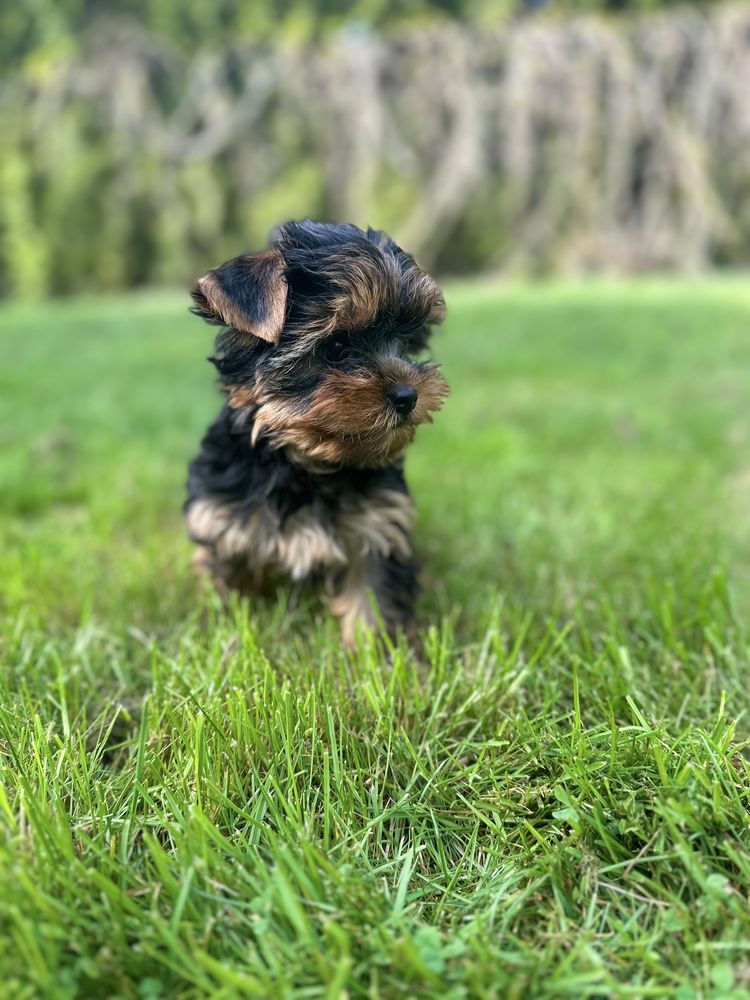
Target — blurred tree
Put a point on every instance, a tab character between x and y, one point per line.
142	139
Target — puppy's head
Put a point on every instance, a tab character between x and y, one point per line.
324	334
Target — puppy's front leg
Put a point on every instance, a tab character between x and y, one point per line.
388	583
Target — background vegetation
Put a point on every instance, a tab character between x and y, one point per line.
143	141
193	25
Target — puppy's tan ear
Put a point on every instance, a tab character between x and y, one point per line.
247	293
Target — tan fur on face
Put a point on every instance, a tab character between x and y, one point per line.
349	419
365	287
423	295
241	396
362	286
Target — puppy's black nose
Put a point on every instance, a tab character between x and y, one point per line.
404	398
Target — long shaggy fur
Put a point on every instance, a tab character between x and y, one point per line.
301	474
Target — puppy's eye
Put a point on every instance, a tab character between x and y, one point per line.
337	347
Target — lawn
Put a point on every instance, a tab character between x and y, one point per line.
198	800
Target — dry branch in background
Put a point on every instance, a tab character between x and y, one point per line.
585	144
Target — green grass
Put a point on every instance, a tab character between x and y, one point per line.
222	802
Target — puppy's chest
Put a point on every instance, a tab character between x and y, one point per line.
312	538
315	538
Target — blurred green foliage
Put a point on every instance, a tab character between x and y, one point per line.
31	27
143	141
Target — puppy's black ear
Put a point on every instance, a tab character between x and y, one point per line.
247	293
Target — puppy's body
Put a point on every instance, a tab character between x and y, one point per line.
301	475
260	516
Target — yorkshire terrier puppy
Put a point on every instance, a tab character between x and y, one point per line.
301	475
